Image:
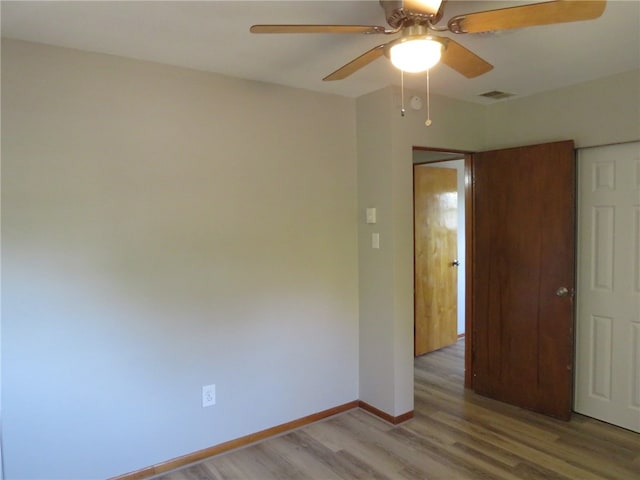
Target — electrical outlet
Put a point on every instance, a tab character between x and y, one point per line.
208	395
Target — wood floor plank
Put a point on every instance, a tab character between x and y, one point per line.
224	468
195	472
505	441
342	440
297	453
457	460
455	434
402	454
464	441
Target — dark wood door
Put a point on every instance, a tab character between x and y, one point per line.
524	252
435	191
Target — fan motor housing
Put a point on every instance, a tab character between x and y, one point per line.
400	13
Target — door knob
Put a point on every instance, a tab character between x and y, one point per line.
564	292
455	263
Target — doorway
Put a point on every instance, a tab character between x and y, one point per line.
519	284
439	249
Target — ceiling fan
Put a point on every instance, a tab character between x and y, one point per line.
417	49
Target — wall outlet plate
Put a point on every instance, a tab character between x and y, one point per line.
208	395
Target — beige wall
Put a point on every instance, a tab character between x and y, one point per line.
599	112
164	229
456	125
385	141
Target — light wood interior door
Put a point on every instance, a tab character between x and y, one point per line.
523	276
435	244
608	319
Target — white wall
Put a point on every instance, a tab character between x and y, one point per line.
164	229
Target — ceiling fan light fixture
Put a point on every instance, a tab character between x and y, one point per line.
415	55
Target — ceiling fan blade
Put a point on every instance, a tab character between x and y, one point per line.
546	13
356	64
316	29
463	60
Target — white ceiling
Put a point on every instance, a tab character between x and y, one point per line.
214	36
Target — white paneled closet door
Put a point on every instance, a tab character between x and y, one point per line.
608	297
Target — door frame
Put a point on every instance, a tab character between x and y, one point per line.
469	260
468	271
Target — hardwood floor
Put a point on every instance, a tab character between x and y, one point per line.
455	434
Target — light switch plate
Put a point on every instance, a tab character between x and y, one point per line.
375	240
371	215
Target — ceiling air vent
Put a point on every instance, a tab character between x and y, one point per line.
496	95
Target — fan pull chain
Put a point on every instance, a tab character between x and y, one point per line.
402	110
428	120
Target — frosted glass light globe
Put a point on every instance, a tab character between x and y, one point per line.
416	55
